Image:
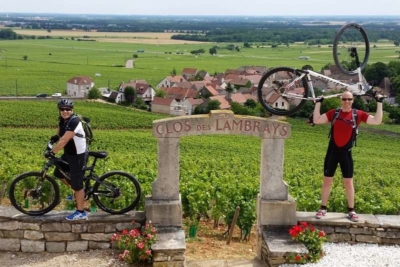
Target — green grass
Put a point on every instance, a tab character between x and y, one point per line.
43	72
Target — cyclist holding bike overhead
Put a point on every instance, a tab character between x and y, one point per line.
75	153
340	144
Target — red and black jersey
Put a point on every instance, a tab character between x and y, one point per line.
343	127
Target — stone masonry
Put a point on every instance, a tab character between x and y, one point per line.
52	233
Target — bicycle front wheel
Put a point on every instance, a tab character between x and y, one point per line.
351	48
281	92
32	194
117	192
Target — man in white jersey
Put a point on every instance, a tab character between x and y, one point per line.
72	139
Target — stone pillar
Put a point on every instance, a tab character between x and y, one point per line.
163	207
166	187
274	205
272	186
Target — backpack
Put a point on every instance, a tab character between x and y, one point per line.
87	128
354	119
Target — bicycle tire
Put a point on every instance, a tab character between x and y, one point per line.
348	36
30	202
121	202
270	90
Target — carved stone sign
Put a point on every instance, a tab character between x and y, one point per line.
220	122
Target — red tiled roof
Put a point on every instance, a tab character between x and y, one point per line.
224	103
176	78
80	80
240	98
180	93
195	101
211	90
162	101
191	71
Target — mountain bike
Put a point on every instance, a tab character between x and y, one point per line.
284	90
36	192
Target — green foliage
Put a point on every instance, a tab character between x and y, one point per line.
213	105
213	50
130	94
94	93
198	51
160	93
135	56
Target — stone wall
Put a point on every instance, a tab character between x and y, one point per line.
53	233
375	229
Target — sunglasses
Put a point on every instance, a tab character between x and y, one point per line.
347	99
65	109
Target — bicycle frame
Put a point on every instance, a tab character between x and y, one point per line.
358	88
59	162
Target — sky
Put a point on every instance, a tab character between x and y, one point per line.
207	7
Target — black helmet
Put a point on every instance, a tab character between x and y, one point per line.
65	103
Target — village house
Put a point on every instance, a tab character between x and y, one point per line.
142	88
169	81
79	86
163	105
189	73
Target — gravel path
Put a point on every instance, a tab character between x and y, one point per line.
365	255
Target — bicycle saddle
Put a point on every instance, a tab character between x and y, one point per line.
98	154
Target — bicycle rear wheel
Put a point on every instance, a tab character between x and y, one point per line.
280	94
118	192
33	195
351	48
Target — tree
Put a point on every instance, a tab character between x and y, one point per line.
130	94
396	43
250	103
161	93
212	50
229	88
230	47
377	71
246	45
173	72
135	56
25	57
94	93
214	105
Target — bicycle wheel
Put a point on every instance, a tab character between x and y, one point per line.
351	48
117	192
279	92
33	195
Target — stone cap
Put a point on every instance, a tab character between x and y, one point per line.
9	213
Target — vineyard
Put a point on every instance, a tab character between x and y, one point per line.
217	173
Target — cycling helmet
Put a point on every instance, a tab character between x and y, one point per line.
65	103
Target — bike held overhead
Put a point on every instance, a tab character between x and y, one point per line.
285	90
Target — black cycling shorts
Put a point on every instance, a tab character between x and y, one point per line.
75	169
335	156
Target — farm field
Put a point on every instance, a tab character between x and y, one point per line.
52	62
232	176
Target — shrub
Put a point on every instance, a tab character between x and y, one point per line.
135	245
313	240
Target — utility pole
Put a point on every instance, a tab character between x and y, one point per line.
16	88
